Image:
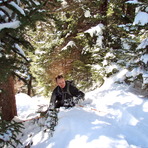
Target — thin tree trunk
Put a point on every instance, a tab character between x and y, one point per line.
29	85
103	10
7	99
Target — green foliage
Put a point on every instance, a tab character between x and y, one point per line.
9	132
48	121
82	74
27	13
16	18
77	61
74	61
138	49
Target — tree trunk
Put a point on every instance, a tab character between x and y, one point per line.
29	85
103	10
128	12
7	99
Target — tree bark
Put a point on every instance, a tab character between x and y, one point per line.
29	85
7	99
103	10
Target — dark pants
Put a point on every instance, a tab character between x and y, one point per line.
59	104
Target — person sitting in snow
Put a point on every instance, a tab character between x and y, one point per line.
65	94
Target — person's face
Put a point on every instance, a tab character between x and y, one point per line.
61	82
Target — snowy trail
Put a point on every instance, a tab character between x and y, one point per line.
74	127
119	126
80	127
111	117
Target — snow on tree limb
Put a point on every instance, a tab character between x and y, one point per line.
13	25
143	44
141	18
18	8
19	49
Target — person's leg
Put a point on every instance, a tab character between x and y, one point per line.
58	104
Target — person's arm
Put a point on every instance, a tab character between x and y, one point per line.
76	92
52	100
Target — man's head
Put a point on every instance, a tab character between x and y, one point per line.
60	81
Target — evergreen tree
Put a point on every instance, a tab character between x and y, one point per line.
16	17
79	36
67	49
125	42
138	63
9	132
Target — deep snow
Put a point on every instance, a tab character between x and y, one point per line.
112	116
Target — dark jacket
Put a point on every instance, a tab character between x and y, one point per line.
60	96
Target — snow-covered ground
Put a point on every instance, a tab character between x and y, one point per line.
111	117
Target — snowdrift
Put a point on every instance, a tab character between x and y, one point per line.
110	117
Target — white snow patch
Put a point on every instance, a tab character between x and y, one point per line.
141	19
132	2
27	106
87	13
145	78
64	3
97	30
143	44
70	43
110	68
144	58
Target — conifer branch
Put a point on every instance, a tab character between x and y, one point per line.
6	13
24	80
4	3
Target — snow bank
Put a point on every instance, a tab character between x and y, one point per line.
110	117
27	106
